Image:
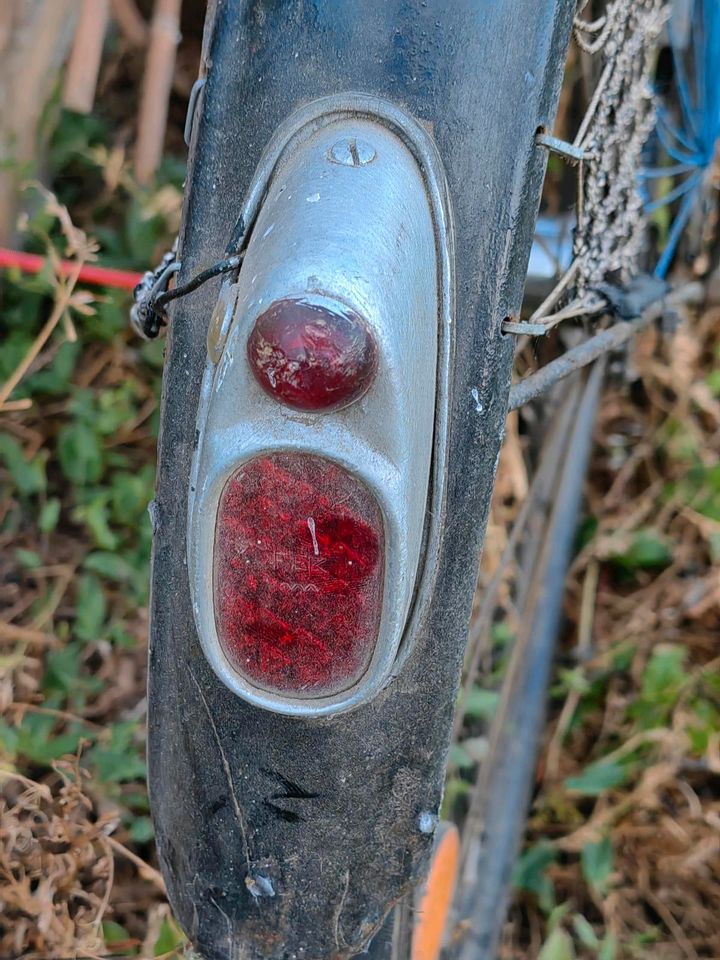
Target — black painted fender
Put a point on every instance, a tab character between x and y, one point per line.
288	838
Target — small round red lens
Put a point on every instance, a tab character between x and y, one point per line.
310	356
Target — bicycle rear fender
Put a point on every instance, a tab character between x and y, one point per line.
292	835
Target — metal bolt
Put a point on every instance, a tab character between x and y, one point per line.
571	152
259	886
427	822
351	152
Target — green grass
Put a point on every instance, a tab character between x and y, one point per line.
76	477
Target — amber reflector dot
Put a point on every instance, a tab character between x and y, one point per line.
310	356
298	574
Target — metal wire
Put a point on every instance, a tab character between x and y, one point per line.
227	265
628	119
597	346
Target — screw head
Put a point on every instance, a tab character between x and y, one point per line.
352	152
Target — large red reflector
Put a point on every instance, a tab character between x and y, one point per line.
298	578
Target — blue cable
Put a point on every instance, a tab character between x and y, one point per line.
679	191
690	141
679	224
657	173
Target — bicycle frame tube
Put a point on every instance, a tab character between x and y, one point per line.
292	837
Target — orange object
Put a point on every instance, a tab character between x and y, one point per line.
436	895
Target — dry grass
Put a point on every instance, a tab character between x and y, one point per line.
63	842
77	865
638	678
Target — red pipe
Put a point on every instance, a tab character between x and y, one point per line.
96	276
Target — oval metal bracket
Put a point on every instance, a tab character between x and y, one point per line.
350	202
